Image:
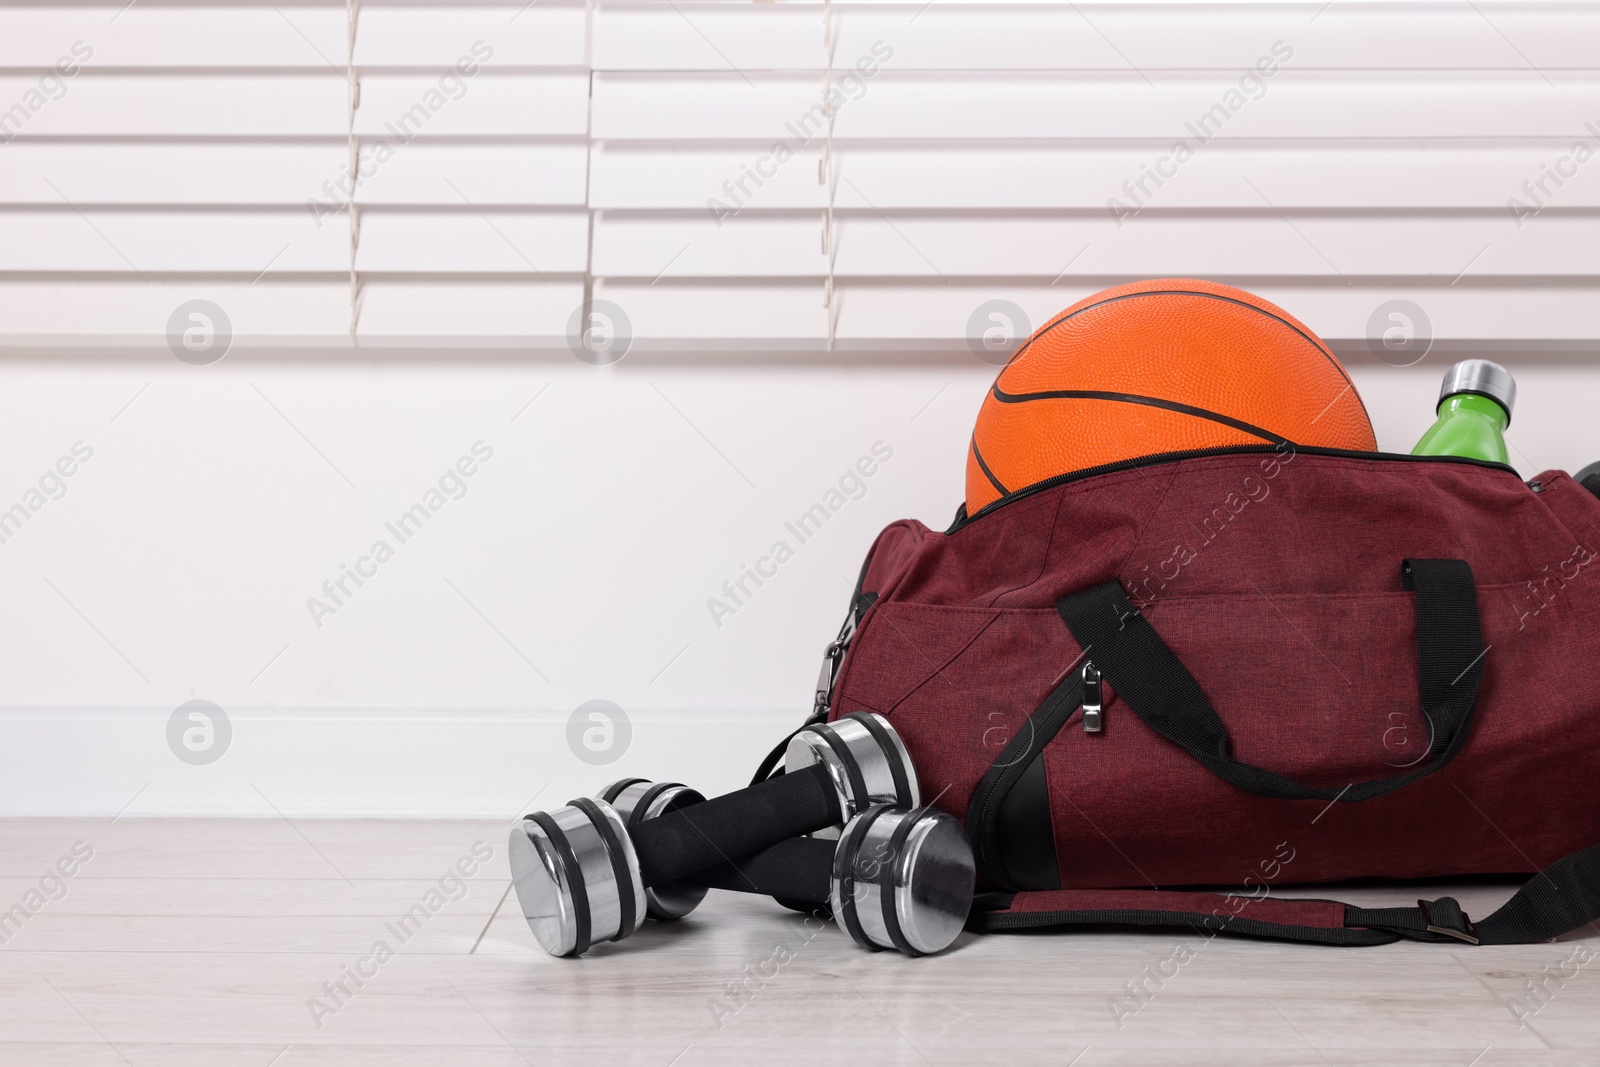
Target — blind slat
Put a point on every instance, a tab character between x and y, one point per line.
1147	246
289	311
1294	104
147	36
1102	36
291	174
952	177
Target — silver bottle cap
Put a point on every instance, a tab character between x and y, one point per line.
1484	378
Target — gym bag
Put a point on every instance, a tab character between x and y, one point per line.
1251	667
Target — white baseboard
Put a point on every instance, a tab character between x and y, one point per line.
400	763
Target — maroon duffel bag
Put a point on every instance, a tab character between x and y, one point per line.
1246	668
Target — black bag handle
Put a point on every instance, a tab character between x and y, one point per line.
1161	691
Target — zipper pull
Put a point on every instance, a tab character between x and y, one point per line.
1093	720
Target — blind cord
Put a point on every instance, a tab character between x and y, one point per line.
825	173
353	150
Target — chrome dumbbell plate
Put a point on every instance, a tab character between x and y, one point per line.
903	879
637	800
864	758
576	876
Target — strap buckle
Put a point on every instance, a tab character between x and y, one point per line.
831	660
1444	916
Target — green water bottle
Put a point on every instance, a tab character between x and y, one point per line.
1474	409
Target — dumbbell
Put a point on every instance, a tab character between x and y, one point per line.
583	872
896	878
636	800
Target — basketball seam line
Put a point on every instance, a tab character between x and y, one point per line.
984	467
1318	345
1132	398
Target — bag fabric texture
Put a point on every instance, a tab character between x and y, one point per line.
1251	668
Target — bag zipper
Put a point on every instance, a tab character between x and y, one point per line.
962	519
1093	719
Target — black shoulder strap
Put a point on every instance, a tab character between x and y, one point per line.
1160	690
1561	898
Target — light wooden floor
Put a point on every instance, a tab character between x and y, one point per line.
201	942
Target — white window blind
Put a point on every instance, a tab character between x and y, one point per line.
680	160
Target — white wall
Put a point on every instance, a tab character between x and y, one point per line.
180	560
769	353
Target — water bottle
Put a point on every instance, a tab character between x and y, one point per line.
1474	409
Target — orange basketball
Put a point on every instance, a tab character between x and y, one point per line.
1153	367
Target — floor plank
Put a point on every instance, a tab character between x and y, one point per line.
218	942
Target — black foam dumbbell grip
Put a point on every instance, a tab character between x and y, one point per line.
800	869
678	843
